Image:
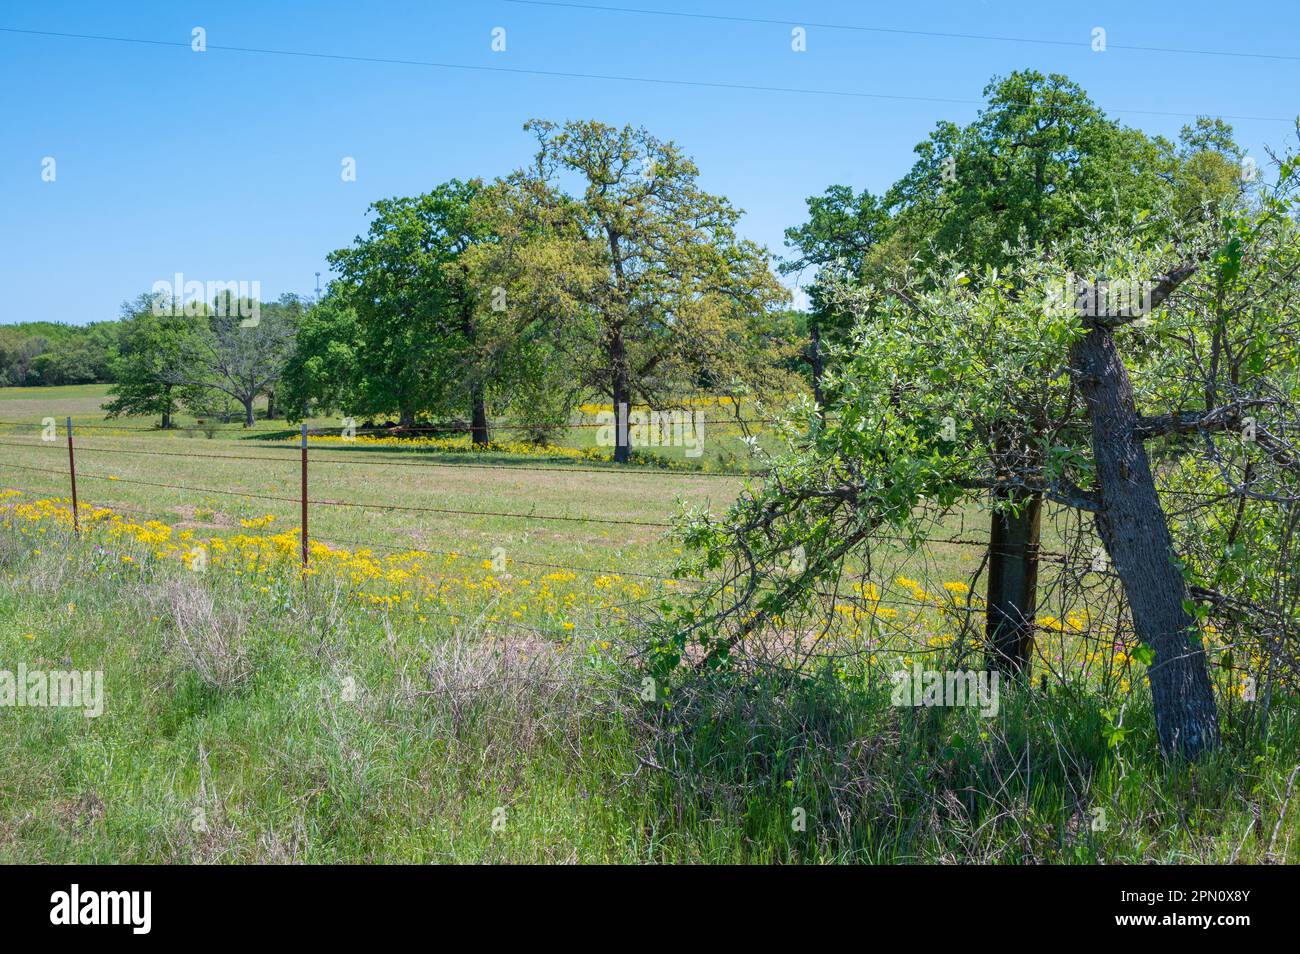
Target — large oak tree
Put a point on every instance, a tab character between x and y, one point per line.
653	289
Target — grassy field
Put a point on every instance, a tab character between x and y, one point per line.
465	686
723	448
239	473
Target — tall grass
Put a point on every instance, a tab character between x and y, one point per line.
287	723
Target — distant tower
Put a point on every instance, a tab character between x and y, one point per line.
318	286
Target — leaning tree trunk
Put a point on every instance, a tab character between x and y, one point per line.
1133	529
1013	583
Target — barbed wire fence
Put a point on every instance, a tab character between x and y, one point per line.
306	502
1077	578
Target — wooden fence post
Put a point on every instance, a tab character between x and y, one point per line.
1013	585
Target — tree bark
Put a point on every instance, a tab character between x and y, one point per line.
622	392
1013	583
617	347
478	430
817	364
1132	526
248	412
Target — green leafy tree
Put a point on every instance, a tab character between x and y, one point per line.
237	356
1208	169
150	368
1040	167
656	289
1043	347
842	230
78	357
415	306
48	353
1040	162
529	279
324	369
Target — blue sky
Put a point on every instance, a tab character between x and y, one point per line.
226	165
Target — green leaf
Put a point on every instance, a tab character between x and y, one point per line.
1229	259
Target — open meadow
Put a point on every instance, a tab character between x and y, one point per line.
470	685
541	432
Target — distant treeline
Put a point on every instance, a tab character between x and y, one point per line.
36	353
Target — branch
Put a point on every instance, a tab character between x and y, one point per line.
1071	495
1165	286
1185	422
1064	491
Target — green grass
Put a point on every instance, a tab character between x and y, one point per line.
82	402
231	489
232	732
723	447
278	725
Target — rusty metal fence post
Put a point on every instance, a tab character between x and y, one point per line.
304	495
72	474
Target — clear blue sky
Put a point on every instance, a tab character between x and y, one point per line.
226	165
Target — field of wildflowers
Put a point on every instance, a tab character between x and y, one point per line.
424	676
880	624
411	705
406	584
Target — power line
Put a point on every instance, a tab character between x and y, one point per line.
433	64
863	28
610	77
